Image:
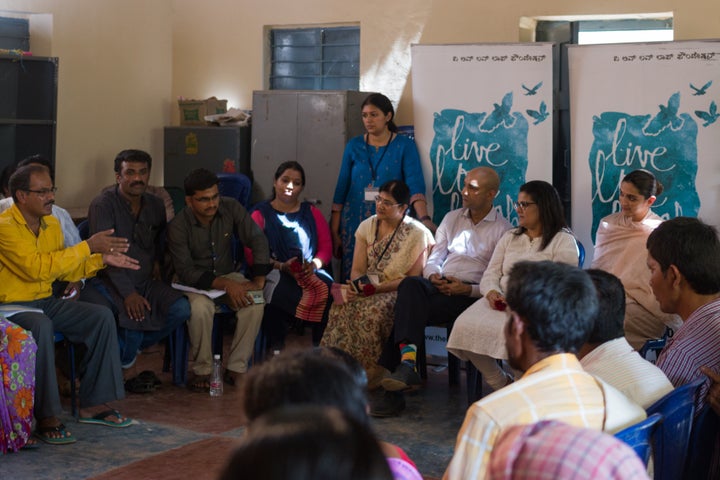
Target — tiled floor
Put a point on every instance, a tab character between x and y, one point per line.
181	434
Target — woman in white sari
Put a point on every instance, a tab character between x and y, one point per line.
620	249
478	333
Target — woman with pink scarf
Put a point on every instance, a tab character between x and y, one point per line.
620	249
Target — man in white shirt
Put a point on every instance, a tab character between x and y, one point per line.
465	241
607	354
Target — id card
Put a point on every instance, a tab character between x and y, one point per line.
371	193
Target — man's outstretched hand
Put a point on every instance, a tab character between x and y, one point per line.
104	242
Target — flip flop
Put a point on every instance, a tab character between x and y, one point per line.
101	419
65	439
31	446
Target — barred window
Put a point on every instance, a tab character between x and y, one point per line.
315	58
14	34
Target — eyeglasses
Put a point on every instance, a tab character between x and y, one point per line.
207	199
523	205
43	192
386	203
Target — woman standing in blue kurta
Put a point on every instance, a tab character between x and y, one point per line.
369	161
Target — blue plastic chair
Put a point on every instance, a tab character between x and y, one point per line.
59	337
225	317
84	229
235	185
650	350
704	437
640	435
176	355
670	444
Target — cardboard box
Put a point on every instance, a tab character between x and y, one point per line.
193	112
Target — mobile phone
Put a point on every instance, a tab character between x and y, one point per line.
356	283
257	296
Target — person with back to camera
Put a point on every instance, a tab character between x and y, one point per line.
541	235
307	442
369	161
606	353
620	250
389	246
550	311
322	377
552	449
298	288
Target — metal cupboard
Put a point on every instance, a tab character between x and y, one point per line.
309	126
219	149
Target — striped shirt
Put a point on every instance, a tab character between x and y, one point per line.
695	344
555	388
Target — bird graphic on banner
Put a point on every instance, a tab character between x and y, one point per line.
710	116
532	91
702	90
539	115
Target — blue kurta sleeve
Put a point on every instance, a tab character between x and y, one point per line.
342	187
412	169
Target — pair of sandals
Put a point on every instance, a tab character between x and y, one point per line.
44	433
145	382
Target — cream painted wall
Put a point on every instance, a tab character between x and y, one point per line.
231	63
123	63
114	85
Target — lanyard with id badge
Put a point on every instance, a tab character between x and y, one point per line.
371	191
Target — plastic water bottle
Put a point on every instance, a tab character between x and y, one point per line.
216	381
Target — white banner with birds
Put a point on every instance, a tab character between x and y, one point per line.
482	105
649	106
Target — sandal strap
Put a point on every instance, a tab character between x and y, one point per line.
60	428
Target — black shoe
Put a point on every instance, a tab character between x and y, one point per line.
403	378
140	384
389	405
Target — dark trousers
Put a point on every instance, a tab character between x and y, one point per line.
79	322
419	304
131	341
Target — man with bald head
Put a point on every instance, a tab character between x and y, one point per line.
465	241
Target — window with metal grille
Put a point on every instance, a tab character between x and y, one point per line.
315	58
14	34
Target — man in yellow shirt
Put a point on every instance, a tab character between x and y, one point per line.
32	257
550	311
